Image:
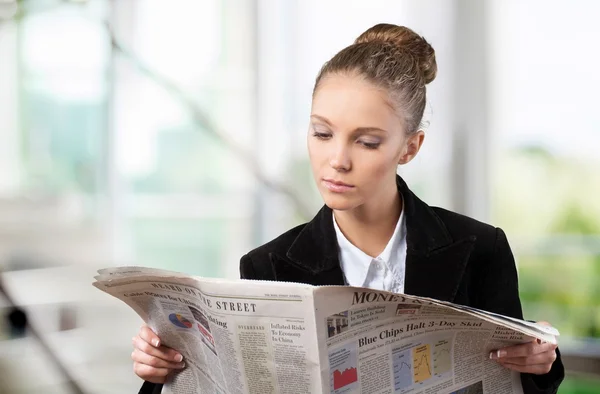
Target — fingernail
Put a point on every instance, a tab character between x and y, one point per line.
156	343
491	355
501	353
178	358
182	365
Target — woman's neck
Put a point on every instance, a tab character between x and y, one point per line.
370	226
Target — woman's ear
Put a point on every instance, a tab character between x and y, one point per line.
412	147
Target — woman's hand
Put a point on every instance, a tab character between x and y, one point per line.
535	357
152	361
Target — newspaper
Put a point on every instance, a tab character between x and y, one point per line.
257	337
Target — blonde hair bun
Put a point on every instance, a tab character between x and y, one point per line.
407	41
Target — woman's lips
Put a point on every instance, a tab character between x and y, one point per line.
337	186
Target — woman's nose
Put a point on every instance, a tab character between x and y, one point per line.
340	159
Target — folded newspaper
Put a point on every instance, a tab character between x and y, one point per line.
257	337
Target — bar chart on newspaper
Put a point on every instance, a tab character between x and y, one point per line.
421	363
343	367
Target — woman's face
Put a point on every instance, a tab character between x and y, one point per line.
355	142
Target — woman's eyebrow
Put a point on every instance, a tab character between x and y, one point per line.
362	130
322	119
359	130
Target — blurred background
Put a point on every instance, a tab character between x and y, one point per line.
171	134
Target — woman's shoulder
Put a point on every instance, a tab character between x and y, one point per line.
278	245
432	221
460	226
490	243
254	263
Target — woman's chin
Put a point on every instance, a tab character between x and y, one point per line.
339	202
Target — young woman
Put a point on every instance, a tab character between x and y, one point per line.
367	108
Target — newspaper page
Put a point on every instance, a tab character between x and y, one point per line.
235	337
243	336
379	342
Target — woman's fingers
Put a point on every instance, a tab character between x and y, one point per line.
143	358
149	343
532	357
152	361
149	336
151	374
540	358
523	350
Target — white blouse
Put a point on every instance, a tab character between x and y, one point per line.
385	272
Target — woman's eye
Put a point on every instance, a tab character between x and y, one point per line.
321	135
370	144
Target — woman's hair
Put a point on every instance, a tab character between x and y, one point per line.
393	58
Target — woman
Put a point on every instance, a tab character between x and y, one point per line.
367	107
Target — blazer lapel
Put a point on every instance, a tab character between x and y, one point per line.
313	256
435	263
437	274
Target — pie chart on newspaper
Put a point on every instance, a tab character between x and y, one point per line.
179	320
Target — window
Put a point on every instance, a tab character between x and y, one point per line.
63	78
186	197
545	164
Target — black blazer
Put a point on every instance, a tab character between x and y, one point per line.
449	257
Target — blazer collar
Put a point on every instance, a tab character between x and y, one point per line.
316	248
431	251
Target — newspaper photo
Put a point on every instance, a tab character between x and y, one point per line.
247	336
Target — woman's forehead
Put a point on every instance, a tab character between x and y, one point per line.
353	102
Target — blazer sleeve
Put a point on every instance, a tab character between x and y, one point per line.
256	267
247	268
150	388
499	293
